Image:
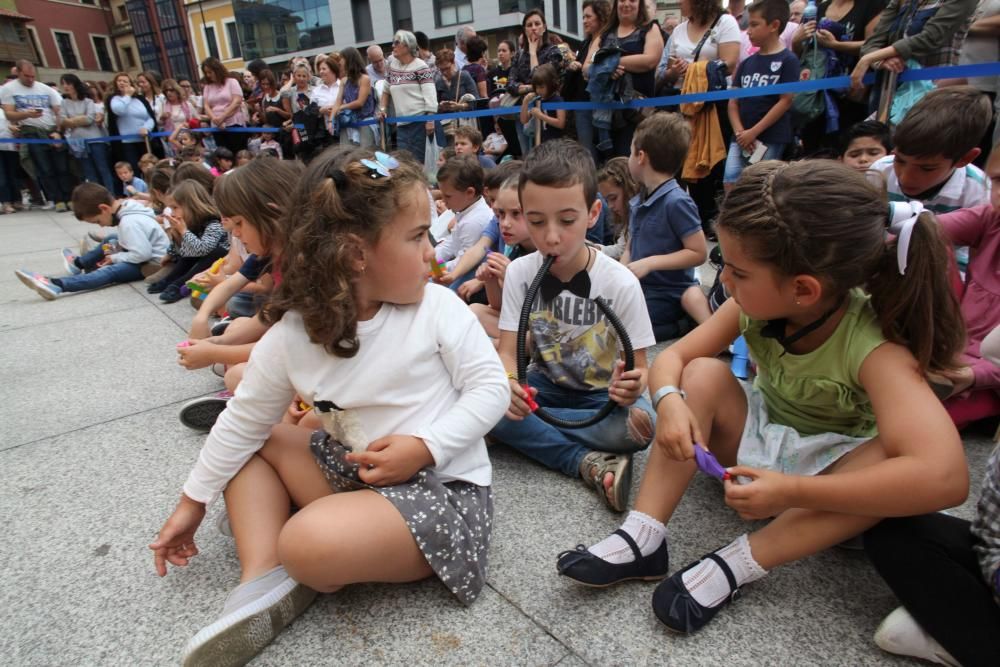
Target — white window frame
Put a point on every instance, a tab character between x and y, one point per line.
125	61
109	44
72	42
229	43
204	37
38	42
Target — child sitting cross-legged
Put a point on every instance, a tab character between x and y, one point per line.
665	239
840	421
199	239
140	242
576	364
396	487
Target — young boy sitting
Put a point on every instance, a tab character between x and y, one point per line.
461	183
666	241
762	121
140	240
935	147
468	141
864	144
131	183
575	365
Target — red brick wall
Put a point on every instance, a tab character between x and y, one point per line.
74	17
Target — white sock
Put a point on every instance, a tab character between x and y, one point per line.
256	588
647	532
708	583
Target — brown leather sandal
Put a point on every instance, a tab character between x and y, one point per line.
596	465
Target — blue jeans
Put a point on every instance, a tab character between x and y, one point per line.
585	131
564	449
122	272
242	304
96	166
412	137
736	163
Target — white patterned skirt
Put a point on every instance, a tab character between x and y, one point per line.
781	448
450	521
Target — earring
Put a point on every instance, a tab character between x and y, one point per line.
798	303
363	266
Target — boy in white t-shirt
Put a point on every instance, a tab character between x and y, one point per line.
576	364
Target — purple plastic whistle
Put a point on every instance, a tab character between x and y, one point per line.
708	464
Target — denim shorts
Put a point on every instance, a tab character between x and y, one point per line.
736	163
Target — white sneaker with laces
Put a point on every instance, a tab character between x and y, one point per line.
900	633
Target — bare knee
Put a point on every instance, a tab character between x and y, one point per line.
308	555
234	375
705	375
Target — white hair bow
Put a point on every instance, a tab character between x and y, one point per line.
902	218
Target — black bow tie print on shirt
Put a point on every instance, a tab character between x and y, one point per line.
578	285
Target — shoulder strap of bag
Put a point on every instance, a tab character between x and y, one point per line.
704	38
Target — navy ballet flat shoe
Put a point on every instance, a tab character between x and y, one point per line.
585	568
677	609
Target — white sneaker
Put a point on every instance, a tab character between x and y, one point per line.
242	633
899	633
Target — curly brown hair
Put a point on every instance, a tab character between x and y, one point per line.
340	208
772	211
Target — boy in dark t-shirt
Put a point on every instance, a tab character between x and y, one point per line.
762	126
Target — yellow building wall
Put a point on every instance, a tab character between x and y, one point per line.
215	16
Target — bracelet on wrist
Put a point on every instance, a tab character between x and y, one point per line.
663	392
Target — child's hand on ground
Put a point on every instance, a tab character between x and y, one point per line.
198	354
640	268
677	430
518	408
768	493
469	287
174	543
392	460
626	387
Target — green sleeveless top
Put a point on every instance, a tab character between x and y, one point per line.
819	392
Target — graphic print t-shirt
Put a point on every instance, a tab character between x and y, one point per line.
573	344
39	96
760	70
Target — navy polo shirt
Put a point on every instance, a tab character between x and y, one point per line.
658	225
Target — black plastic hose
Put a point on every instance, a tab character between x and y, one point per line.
522	352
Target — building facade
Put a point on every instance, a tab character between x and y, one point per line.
124	40
160	30
213	29
69	36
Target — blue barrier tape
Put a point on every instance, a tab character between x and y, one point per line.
926	74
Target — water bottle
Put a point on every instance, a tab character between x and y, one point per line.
809	14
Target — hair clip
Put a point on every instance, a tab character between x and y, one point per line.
902	219
382	165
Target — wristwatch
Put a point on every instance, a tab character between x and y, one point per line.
663	392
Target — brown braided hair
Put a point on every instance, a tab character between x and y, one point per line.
821	218
339	207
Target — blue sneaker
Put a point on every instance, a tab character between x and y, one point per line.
69	261
39	283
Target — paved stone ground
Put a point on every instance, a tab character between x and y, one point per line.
92	459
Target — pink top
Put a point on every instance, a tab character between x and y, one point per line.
217	98
978	228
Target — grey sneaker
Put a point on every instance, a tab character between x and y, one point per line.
69	261
242	633
39	283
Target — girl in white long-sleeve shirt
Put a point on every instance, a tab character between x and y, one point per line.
397	371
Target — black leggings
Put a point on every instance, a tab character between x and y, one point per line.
186	268
929	564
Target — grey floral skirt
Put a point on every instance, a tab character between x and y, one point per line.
450	521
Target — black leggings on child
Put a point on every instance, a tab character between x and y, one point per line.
929	564
186	268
